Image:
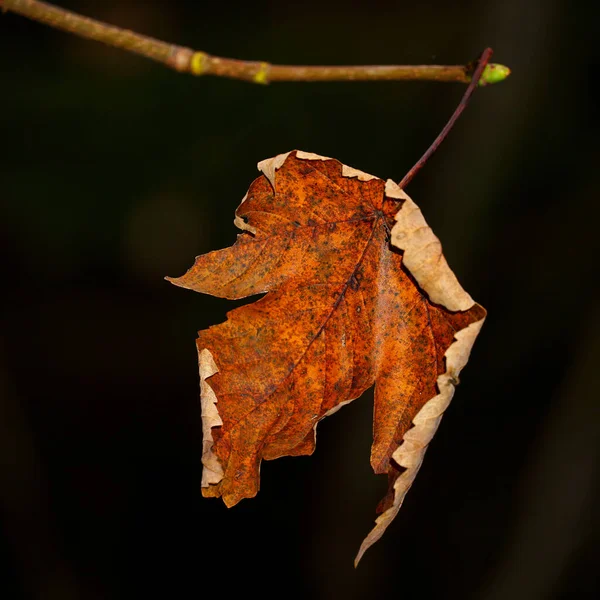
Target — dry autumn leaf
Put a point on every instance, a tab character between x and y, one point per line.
358	293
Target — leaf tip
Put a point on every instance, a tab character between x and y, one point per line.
174	280
358	557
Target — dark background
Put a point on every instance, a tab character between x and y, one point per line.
115	172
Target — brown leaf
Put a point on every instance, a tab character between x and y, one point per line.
358	293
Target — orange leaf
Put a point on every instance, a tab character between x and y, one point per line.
358	293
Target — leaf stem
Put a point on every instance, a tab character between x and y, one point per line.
482	64
186	60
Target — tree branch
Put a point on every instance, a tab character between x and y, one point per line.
186	60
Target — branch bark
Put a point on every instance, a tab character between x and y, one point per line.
194	62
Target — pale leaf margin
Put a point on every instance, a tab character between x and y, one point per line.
424	260
212	471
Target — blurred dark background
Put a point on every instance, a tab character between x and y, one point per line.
115	172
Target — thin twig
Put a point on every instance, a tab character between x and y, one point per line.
481	65
186	60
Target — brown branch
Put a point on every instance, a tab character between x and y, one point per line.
481	66
186	60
